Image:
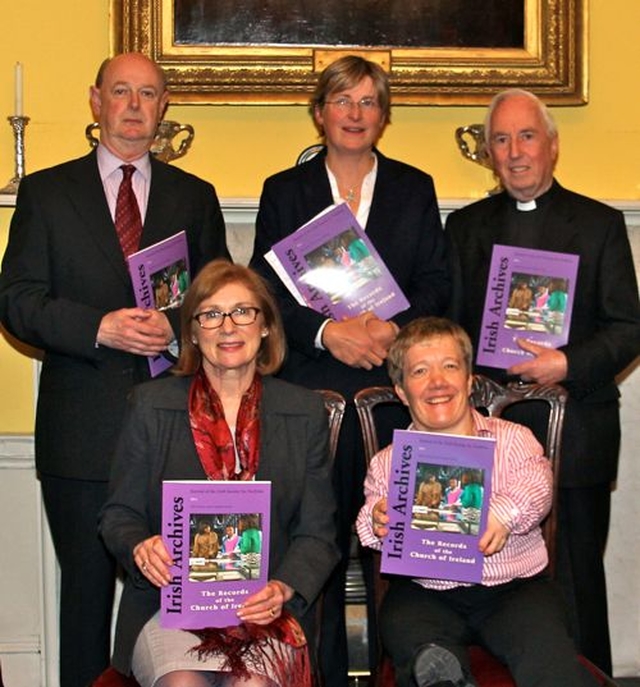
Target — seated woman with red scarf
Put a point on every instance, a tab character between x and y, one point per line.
222	416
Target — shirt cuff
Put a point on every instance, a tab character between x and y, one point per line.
318	340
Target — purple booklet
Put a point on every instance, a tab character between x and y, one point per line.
329	264
529	296
160	276
439	492
210	581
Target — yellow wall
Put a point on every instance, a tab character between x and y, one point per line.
61	44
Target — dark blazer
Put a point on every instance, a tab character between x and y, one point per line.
62	271
605	325
157	443
404	226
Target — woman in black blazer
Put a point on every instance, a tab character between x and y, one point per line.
221	416
396	205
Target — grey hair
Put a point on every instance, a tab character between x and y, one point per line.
547	118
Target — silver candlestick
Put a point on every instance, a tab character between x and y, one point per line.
18	124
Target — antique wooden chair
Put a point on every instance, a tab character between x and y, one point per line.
493	399
335	406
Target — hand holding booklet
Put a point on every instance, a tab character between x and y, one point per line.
530	295
208	582
329	264
438	502
160	277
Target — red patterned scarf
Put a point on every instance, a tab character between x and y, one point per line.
247	647
264	650
212	435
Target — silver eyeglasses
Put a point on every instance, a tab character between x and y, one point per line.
213	319
367	104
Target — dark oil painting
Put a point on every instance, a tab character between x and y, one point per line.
389	23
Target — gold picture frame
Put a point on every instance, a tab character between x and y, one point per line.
552	61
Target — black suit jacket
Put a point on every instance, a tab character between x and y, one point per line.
605	326
404	226
157	444
62	271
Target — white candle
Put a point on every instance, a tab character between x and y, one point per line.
18	90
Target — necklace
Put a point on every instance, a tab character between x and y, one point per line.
350	195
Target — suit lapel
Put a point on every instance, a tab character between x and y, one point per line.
560	229
272	432
493	230
382	204
315	187
162	204
173	396
86	194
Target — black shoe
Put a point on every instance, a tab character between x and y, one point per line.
438	666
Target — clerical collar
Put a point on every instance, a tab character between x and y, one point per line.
526	206
539	203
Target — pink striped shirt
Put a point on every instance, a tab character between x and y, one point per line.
520	499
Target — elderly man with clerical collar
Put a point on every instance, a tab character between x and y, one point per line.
535	211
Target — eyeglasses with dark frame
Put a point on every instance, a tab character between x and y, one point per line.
368	104
214	319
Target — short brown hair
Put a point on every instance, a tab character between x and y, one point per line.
423	329
211	278
347	72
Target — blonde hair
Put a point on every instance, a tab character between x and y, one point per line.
347	72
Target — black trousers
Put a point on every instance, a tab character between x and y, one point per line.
583	525
583	517
87	577
522	623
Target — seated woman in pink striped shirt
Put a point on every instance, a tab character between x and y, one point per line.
516	613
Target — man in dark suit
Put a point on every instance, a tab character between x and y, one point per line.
534	211
65	288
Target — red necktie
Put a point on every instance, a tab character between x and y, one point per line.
128	221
